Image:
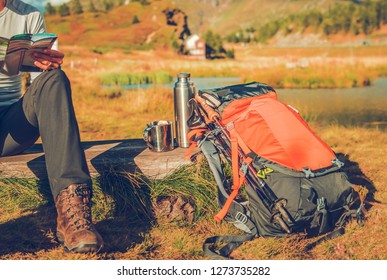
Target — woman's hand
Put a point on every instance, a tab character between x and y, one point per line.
48	59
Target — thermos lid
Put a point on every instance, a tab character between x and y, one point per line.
184	75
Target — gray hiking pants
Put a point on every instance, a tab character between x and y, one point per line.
46	110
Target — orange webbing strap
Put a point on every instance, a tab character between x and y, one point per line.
242	144
223	212
238	174
192	137
234	158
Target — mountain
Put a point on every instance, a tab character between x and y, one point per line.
226	16
143	24
221	16
128	26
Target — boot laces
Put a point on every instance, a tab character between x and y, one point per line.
78	210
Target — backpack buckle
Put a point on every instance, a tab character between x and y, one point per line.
243	222
321	204
244	168
308	173
240	217
337	162
360	216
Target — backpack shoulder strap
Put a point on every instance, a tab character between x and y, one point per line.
237	213
232	242
238	173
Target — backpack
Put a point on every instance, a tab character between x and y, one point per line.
293	181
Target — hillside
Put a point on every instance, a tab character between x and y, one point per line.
142	24
225	16
221	16
116	28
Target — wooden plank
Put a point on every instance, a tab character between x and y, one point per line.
129	155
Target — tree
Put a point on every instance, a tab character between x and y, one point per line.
250	36
77	7
328	26
92	8
50	9
142	2
214	44
365	23
108	5
312	18
268	30
230	53
64	10
383	11
135	20
233	38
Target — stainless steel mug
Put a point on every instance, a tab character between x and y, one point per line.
159	136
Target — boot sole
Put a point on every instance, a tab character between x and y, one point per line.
81	247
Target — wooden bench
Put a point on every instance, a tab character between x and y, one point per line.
130	155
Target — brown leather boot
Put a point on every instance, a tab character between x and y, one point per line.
74	223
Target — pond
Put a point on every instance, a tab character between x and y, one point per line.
200	83
363	106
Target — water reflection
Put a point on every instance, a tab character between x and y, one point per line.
200	83
366	106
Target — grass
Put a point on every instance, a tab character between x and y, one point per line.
282	76
281	68
120	79
119	117
314	76
118	198
352	52
130	211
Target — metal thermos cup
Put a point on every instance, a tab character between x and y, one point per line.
159	136
183	92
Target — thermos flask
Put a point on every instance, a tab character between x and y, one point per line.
183	92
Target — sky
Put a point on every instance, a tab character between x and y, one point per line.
40	4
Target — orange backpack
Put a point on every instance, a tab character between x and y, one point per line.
292	179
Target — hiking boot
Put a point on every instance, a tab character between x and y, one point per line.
75	229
